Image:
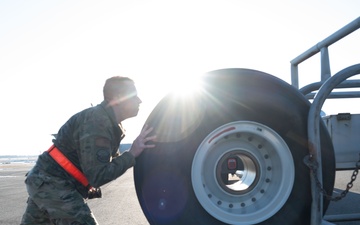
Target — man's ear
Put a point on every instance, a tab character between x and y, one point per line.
113	102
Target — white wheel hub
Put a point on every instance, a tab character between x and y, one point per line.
242	173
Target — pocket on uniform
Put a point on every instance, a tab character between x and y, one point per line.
34	181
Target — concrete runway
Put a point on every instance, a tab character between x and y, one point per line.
119	204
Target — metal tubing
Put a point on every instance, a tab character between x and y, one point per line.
324	222
315	86
294	76
338	95
325	64
346	30
343	217
314	138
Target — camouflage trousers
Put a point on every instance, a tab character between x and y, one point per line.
54	201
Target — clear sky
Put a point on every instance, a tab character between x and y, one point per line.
55	55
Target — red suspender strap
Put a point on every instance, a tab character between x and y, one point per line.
67	165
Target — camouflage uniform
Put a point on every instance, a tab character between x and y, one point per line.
90	139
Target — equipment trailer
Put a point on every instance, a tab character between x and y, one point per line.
249	148
344	128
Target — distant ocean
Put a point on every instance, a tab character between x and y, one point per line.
9	159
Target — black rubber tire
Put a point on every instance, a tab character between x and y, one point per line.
163	175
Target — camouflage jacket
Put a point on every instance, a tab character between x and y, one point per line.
90	139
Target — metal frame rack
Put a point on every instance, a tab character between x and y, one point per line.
325	88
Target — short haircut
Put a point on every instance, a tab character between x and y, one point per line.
116	86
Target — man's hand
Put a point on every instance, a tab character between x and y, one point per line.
139	143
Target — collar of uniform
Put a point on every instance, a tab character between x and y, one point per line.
105	105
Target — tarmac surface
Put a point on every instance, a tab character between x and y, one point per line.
119	204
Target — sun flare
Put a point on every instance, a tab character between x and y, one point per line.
182	87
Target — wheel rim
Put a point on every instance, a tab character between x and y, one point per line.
263	177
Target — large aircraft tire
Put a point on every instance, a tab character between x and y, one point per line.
231	153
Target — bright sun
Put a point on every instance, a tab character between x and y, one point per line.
185	87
